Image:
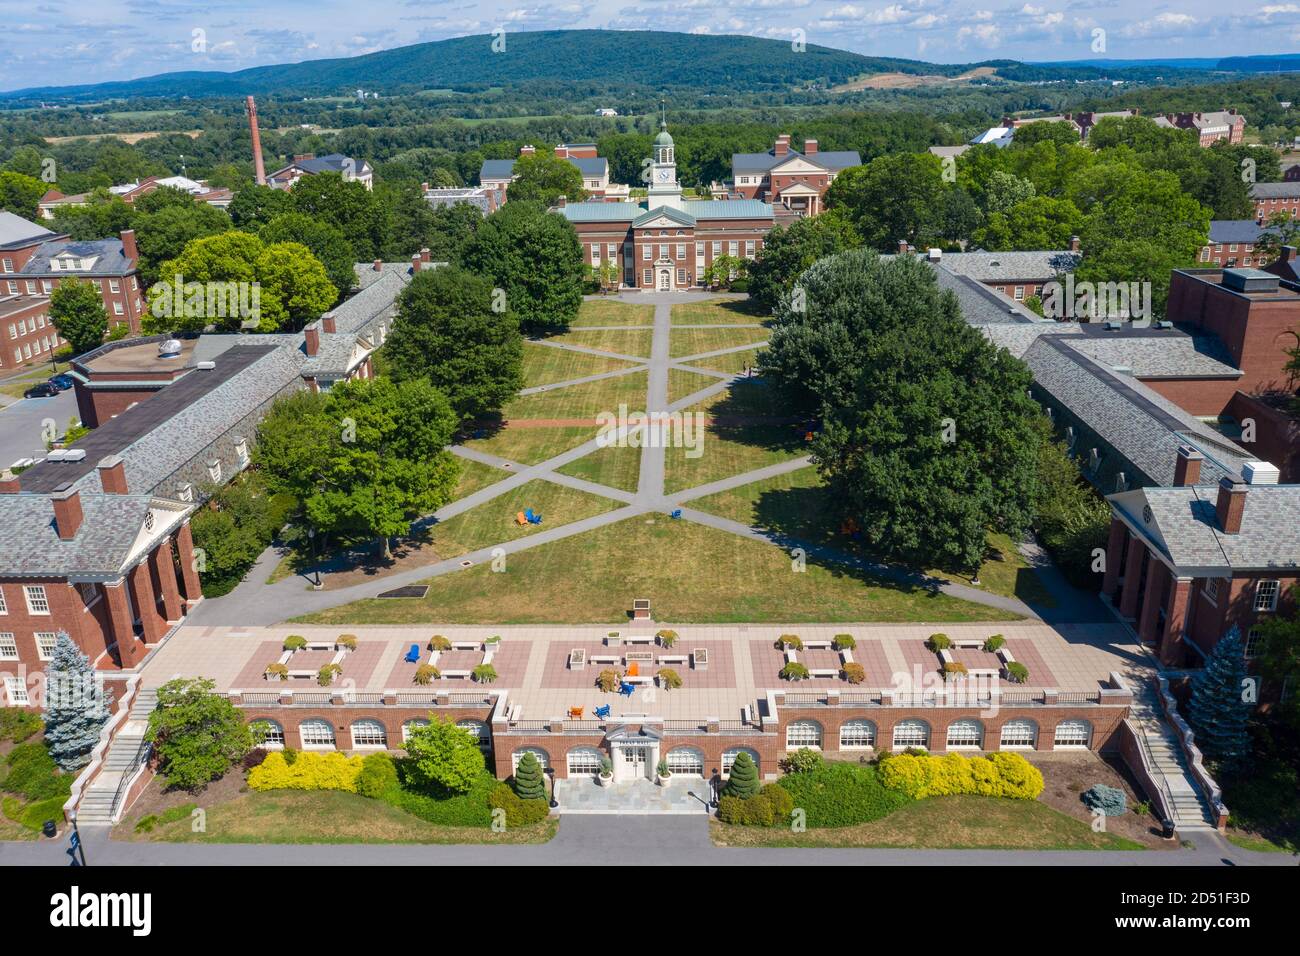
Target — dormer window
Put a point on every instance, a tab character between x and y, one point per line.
241	450
185	491
214	470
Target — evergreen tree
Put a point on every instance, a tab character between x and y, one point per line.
528	778
1216	710
743	781
76	705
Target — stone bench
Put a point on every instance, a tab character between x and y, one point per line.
673	658
824	672
817	645
605	659
577	659
459	675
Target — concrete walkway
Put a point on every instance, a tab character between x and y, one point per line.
255	602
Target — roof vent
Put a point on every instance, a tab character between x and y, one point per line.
206	366
1259	473
1164	324
56	454
79	454
934	255
994	263
170	348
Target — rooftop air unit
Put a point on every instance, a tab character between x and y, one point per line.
170	348
1259	473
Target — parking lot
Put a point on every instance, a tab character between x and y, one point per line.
21	424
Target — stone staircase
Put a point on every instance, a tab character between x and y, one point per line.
1188	807
98	803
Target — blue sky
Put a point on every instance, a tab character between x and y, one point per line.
59	42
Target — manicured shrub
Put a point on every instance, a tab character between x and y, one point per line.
994	643
254	758
954	669
854	672
1017	672
667	638
443	757
781	801
439	643
519	812
844	642
1020	779
938	642
277	670
378	775
326	675
794	671
1000	775
197	734
295	642
1110	801
841	795
802	760
34	775
609	680
484	674
789	640
426	674
467	809
529	784
310	771
743	779
669	679
290	755
18	725
346	640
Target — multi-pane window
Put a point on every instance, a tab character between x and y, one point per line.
686	761
749	248
369	733
911	733
1266	596
45	641
4	608
16	691
699	252
584	762
647	252
518	755
857	733
733	248
681	277
8	647
681	251
803	733
38	603
1253	639
1071	734
1018	733
729	758
272	734
1212	588
647	277
965	733
479	730
316	733
413	724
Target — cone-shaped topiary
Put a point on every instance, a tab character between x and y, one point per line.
528	778
743	781
1216	710
76	705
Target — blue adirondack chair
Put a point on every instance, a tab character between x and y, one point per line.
627	689
413	655
532	516
675	513
602	712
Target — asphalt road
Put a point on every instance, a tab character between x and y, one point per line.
20	424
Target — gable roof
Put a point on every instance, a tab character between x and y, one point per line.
831	160
15	231
1236	230
1282	190
995	266
665	212
109	255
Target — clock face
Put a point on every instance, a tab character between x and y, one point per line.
663	175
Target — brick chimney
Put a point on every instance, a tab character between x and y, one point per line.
112	475
562	202
782	144
10	484
810	147
379	265
416	262
426	255
527	150
311	338
1074	243
1187	469
327	322
301	157
1231	504
561	152
67	511
128	245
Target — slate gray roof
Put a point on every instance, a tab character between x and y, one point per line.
332	163
16	231
376	300
1282	190
1017	337
30	545
1006	266
110	258
366	274
590	167
980	305
601	211
762	162
1235	230
676	215
1174	354
1182	525
728	209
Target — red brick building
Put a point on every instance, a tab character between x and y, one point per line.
667	242
1273	198
792	182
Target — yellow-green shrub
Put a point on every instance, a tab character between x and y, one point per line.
1020	778
998	775
310	771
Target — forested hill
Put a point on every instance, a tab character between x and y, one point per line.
619	58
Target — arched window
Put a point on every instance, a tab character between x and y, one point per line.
317	733
369	734
803	733
857	734
686	762
410	725
1019	734
1072	735
537	752
729	758
272	734
479	730
583	762
911	733
965	733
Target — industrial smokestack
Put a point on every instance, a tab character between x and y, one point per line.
257	143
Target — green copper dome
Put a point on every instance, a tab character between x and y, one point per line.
664	138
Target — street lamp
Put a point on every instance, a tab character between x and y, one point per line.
713	789
311	536
76	845
550	772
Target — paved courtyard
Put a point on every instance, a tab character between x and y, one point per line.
634	798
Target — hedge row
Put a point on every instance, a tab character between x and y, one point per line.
308	771
841	795
997	775
771	806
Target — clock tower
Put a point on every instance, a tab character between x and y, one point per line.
664	189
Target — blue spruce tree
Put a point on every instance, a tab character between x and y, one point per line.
1217	710
76	705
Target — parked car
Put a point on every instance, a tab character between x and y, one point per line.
62	381
41	390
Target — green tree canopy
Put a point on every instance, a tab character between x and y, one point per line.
789	250
163	232
357	212
1037	223
78	314
254	206
892	198
544	177
21	195
444	756
327	243
197	734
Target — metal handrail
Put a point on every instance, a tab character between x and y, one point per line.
1154	772
128	776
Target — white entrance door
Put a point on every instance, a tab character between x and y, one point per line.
665	280
633	763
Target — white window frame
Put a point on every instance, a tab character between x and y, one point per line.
482	734
857	734
582	762
1071	741
45	651
685	762
8	646
16	692
907	741
729	759
38	601
412	724
1211	591
1250	647
1018	739
964	742
537	752
316	722
373	736
803	734
1266	592
274	739
4	606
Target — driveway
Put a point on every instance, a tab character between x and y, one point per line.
21	434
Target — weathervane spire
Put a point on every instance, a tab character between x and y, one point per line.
663	115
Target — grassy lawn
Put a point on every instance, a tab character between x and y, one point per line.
689	341
546	366
716	312
617	467
954	823
326	816
15	386
475	476
796	504
681	383
731	448
630	341
612	312
529	446
689	572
